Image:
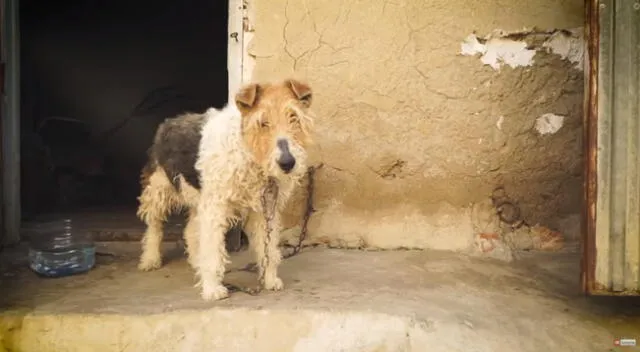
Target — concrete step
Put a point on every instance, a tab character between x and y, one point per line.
334	300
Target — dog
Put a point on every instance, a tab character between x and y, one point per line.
216	165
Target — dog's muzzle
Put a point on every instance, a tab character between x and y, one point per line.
286	162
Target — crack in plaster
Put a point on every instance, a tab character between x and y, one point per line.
434	91
320	37
388	2
412	31
339	169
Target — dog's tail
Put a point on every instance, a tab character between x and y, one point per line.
146	173
145	179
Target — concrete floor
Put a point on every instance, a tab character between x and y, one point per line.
334	300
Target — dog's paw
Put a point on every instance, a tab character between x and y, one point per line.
192	262
214	292
274	284
148	264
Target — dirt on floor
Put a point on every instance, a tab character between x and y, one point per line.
459	303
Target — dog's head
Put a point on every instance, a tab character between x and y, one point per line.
276	125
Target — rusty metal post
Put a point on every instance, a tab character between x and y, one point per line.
590	125
611	243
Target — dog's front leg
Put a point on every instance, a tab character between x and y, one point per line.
265	245
213	221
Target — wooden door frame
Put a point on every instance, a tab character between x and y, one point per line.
235	45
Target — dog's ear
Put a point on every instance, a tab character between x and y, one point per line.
301	90
247	97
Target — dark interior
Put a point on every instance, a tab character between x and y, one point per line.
97	77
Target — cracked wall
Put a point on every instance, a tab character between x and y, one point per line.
411	133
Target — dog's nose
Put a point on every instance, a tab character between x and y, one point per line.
286	163
286	160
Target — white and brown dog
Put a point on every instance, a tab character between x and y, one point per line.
217	165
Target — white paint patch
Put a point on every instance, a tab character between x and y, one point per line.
510	52
497	51
500	122
569	45
471	46
549	123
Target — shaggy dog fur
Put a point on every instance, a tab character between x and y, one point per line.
217	165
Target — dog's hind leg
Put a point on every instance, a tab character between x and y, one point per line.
156	202
191	237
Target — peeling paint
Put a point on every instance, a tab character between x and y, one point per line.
568	44
517	49
497	51
471	46
549	123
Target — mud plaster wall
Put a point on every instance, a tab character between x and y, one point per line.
411	133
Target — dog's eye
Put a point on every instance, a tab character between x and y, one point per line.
293	118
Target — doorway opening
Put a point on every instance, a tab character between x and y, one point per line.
97	78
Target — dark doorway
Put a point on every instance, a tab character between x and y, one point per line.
97	77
